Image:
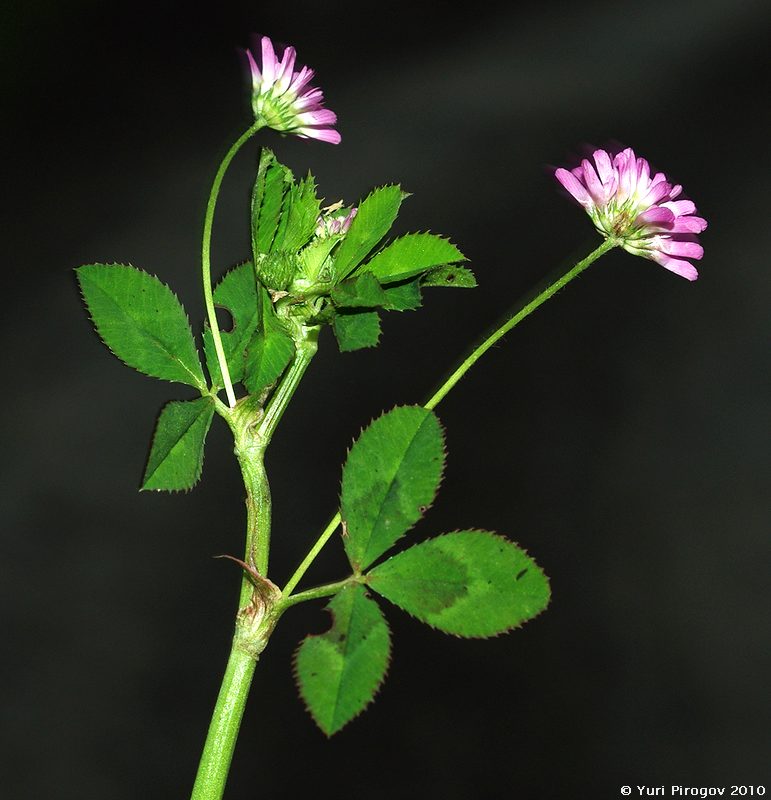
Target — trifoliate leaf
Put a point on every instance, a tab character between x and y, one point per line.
356	330
403	296
468	583
362	291
339	672
410	255
373	220
389	479
236	292
176	457
141	320
460	277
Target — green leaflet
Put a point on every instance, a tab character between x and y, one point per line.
469	583
273	180
176	457
460	277
356	330
339	672
410	255
391	475
141	320
270	351
301	211
403	296
237	292
361	291
373	220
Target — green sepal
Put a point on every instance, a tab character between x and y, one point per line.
373	220
450	275
176	455
403	296
411	255
314	262
236	292
390	478
339	672
141	321
356	330
272	182
361	291
468	583
277	270
270	351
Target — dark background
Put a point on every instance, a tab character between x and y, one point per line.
620	435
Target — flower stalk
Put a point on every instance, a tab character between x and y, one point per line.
208	222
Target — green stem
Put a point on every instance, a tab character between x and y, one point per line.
326	590
514	320
223	731
252	431
306	345
251	458
206	257
311	557
445	388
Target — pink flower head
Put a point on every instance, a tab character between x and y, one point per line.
637	210
284	99
335	222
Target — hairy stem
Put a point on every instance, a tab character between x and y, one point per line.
448	385
206	257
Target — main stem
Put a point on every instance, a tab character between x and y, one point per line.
225	724
252	431
206	257
445	388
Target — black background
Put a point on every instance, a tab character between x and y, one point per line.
620	435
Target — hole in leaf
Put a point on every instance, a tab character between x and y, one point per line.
224	319
423	509
450	278
521	574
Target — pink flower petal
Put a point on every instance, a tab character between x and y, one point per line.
656	192
604	166
285	70
655	216
680	207
643	172
689	225
321	117
675	247
683	268
322	134
574	186
593	183
255	70
268	62
300	80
